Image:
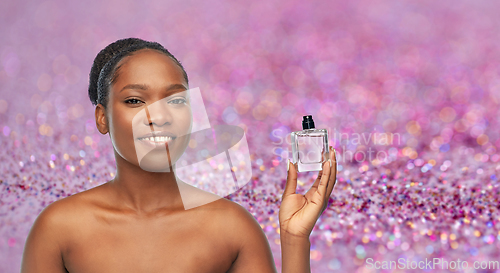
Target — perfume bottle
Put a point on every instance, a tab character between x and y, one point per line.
310	147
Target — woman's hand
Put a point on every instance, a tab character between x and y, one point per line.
299	213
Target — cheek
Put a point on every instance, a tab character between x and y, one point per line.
121	127
185	120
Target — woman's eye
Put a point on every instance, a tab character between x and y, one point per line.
132	101
178	101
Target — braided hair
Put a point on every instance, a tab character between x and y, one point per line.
105	67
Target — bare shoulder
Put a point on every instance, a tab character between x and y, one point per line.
232	215
219	209
48	238
64	212
253	253
72	205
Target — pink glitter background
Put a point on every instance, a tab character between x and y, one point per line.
425	72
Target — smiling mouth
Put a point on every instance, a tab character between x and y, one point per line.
159	140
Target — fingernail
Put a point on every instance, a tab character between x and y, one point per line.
288	164
330	162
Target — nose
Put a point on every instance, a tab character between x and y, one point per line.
158	114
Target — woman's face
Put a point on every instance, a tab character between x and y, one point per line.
149	115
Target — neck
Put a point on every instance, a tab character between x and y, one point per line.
143	191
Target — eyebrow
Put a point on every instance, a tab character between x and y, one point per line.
171	87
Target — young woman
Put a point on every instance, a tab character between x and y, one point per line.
137	222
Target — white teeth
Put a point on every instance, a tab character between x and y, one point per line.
160	139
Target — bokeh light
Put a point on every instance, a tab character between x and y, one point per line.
410	87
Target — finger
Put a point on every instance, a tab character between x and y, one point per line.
291	180
333	174
316	183
323	183
314	187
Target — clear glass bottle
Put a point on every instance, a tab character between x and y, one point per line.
310	147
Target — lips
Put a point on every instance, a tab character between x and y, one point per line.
158	137
158	134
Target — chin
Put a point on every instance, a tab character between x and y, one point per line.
157	162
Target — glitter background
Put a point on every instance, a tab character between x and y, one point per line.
425	73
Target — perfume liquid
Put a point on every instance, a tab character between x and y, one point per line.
309	147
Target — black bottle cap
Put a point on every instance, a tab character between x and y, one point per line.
307	122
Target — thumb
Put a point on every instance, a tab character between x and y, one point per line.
291	180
